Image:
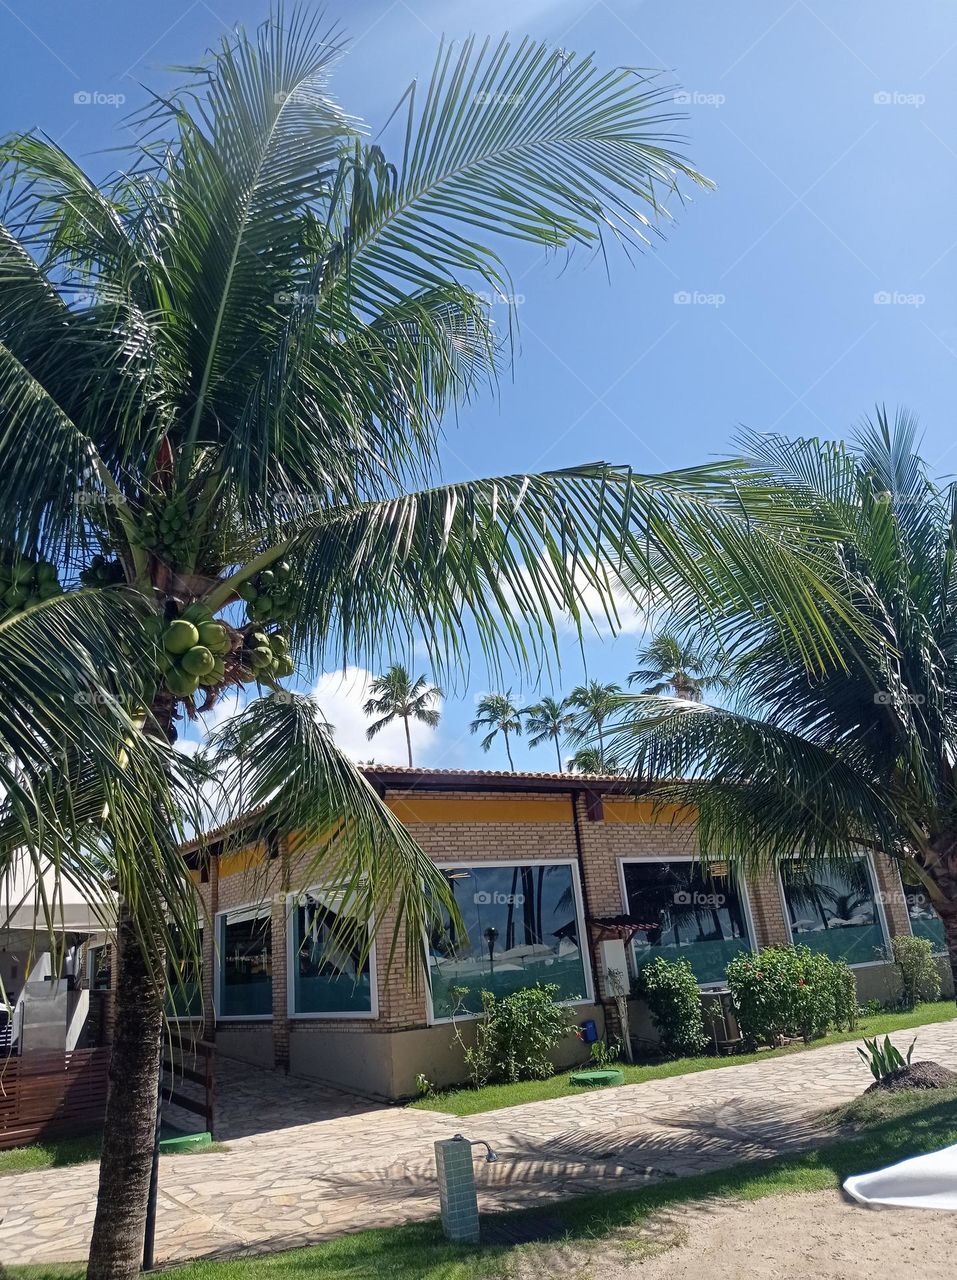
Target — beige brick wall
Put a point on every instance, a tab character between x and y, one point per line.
483	827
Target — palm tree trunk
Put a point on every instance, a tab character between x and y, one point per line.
408	739
130	1124
558	752
601	744
508	752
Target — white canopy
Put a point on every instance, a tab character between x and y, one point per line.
923	1182
21	905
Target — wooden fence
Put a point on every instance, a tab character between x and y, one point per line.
52	1095
191	1062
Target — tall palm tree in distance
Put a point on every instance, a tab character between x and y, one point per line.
396	695
549	718
675	665
588	760
498	714
593	703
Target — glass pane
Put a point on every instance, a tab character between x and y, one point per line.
924	920
246	968
100	968
329	974
686	911
521	929
184	992
832	910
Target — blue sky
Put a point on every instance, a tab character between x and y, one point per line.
820	272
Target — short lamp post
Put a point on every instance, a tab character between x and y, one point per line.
457	1198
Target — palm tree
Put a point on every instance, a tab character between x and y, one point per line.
675	665
220	373
857	753
499	714
594	703
548	718
589	760
397	695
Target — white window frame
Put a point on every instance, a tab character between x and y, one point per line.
583	945
740	884
248	911
865	855
293	903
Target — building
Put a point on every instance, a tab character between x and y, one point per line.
45	1003
546	869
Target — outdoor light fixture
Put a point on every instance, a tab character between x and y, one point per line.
491	1158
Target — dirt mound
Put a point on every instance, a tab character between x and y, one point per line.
919	1075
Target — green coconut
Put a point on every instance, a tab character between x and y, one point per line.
261	657
180	636
197	612
16	597
198	661
181	683
278	644
213	636
247	591
284	665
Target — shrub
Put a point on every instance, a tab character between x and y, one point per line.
917	970
884	1059
790	991
516	1035
845	996
670	990
762	990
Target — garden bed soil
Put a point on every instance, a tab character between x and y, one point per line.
919	1075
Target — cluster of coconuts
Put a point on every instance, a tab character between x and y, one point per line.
25	582
271	595
193	649
101	572
267	656
169	532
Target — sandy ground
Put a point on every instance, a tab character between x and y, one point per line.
816	1236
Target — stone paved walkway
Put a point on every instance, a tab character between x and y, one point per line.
305	1163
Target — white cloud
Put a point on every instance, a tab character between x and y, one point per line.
341	695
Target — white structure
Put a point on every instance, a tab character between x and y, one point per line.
42	1006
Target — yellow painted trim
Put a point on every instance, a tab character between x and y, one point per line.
644	812
235	863
439	810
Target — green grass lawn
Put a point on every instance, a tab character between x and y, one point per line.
51	1153
468	1102
54	1152
865	1134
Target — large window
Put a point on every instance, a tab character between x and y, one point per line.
522	927
330	975
924	920
686	909
245	964
184	990
831	909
